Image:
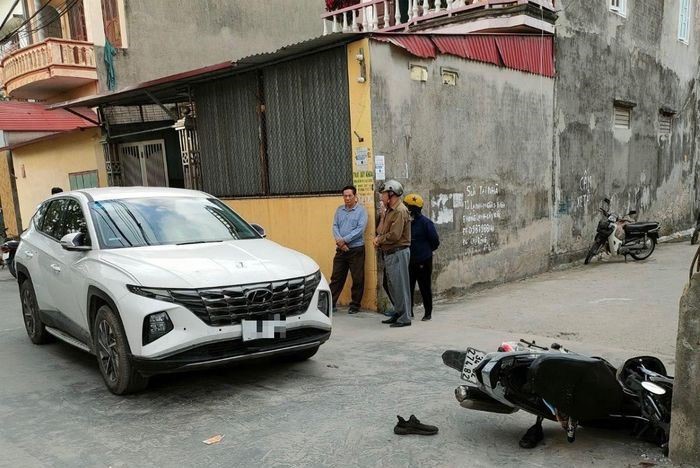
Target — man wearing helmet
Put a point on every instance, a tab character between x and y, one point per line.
424	240
393	240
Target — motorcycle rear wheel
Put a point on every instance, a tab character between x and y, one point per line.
646	253
592	252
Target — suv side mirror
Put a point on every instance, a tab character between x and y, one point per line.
259	229
74	242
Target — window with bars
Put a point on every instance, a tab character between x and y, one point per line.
112	25
665	123
622	116
76	22
619	7
684	22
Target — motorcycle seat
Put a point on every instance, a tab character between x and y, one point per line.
578	386
644	226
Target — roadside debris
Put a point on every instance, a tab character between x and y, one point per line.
214	440
333	366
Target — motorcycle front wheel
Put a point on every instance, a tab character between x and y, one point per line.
646	253
592	252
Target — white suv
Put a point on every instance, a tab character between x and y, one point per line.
155	280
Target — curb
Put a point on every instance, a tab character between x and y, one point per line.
679	236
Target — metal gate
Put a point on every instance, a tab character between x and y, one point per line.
144	164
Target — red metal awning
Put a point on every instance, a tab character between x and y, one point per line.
33	117
531	54
418	45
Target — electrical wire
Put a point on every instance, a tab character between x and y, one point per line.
62	11
7	36
9	13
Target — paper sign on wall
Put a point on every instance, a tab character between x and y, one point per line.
361	156
379	167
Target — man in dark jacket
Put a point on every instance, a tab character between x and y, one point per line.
424	240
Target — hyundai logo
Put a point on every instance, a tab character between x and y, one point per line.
258	296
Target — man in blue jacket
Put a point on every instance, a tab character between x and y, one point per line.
424	240
348	230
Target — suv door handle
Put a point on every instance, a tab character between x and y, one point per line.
55	268
29	253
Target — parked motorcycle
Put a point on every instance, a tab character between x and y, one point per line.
8	249
568	388
623	236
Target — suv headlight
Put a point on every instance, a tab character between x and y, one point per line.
324	302
151	293
155	326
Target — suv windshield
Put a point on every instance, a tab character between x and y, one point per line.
138	222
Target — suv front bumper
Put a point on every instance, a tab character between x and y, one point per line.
219	353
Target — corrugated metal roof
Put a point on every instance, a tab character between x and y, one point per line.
534	54
33	117
416	44
528	53
173	88
479	48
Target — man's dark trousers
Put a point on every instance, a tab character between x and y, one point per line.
353	260
422	272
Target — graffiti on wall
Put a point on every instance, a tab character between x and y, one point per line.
475	214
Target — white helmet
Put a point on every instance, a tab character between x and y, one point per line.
392	185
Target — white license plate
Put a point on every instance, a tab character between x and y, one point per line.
473	359
263	329
5	256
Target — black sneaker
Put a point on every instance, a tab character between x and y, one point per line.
353	310
426	318
400	324
390	320
413	426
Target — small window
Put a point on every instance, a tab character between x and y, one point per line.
39	215
74	221
684	22
449	77
83	180
623	117
665	124
619	7
51	224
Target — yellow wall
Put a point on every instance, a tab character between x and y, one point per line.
363	175
7	197
46	164
303	224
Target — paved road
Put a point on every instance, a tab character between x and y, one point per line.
339	408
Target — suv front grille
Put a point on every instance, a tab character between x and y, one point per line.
228	305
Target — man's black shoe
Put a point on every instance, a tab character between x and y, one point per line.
353	310
400	324
413	426
390	320
426	318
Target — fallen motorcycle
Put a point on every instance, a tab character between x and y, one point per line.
571	389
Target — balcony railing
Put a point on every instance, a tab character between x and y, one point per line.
52	57
385	15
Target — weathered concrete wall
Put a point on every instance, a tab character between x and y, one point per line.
171	36
600	57
685	431
480	153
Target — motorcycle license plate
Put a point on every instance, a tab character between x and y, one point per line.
473	359
263	329
5	256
